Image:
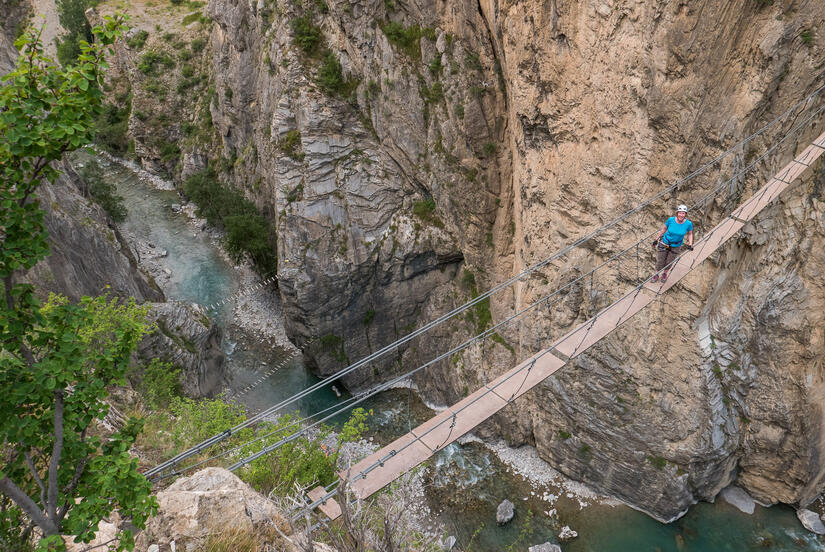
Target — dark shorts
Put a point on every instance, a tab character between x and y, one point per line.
665	256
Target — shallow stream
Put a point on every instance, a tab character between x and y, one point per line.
464	483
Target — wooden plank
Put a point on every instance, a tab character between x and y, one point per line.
329	507
408	453
588	333
515	384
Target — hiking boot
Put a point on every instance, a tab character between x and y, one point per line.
655	278
664	278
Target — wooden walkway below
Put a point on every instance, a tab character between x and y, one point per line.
387	464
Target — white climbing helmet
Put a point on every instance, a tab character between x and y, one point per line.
682	208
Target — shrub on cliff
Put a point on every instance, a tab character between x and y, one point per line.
72	16
250	235
112	127
307	35
330	78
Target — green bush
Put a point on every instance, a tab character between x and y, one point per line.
432	95
290	144
112	126
330	78
102	191
307	35
188	422
305	461
435	66
158	383
138	40
407	39
214	200
657	462
425	210
247	232
187	19
198	45
807	37
72	16
250	235
151	61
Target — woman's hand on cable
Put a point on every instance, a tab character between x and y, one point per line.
655	243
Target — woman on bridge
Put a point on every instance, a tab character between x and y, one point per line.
670	240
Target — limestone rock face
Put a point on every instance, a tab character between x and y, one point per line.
87	254
513	129
208	502
188	338
12	13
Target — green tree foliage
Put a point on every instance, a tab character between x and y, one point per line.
407	39
307	35
113	126
250	235
330	78
72	15
57	359
247	232
158	383
103	191
306	461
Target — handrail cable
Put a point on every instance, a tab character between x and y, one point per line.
443	318
635	291
352	401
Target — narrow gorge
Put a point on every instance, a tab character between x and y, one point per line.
396	159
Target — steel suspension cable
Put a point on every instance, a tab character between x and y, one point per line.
518	315
458	310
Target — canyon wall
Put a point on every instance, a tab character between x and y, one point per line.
463	141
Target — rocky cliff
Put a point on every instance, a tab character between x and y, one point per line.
14	13
412	153
88	256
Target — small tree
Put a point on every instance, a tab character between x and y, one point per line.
57	359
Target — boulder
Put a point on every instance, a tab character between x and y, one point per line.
206	503
567	533
546	547
811	521
738	498
104	538
505	512
447	543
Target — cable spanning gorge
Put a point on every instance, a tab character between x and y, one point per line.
380	468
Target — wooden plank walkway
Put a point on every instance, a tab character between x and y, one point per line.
387	464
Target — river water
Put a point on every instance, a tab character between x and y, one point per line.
465	482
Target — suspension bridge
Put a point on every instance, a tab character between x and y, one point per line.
388	463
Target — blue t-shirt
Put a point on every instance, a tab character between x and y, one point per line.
675	234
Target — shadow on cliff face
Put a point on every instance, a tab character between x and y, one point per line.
89	257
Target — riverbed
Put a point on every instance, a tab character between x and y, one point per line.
462	484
